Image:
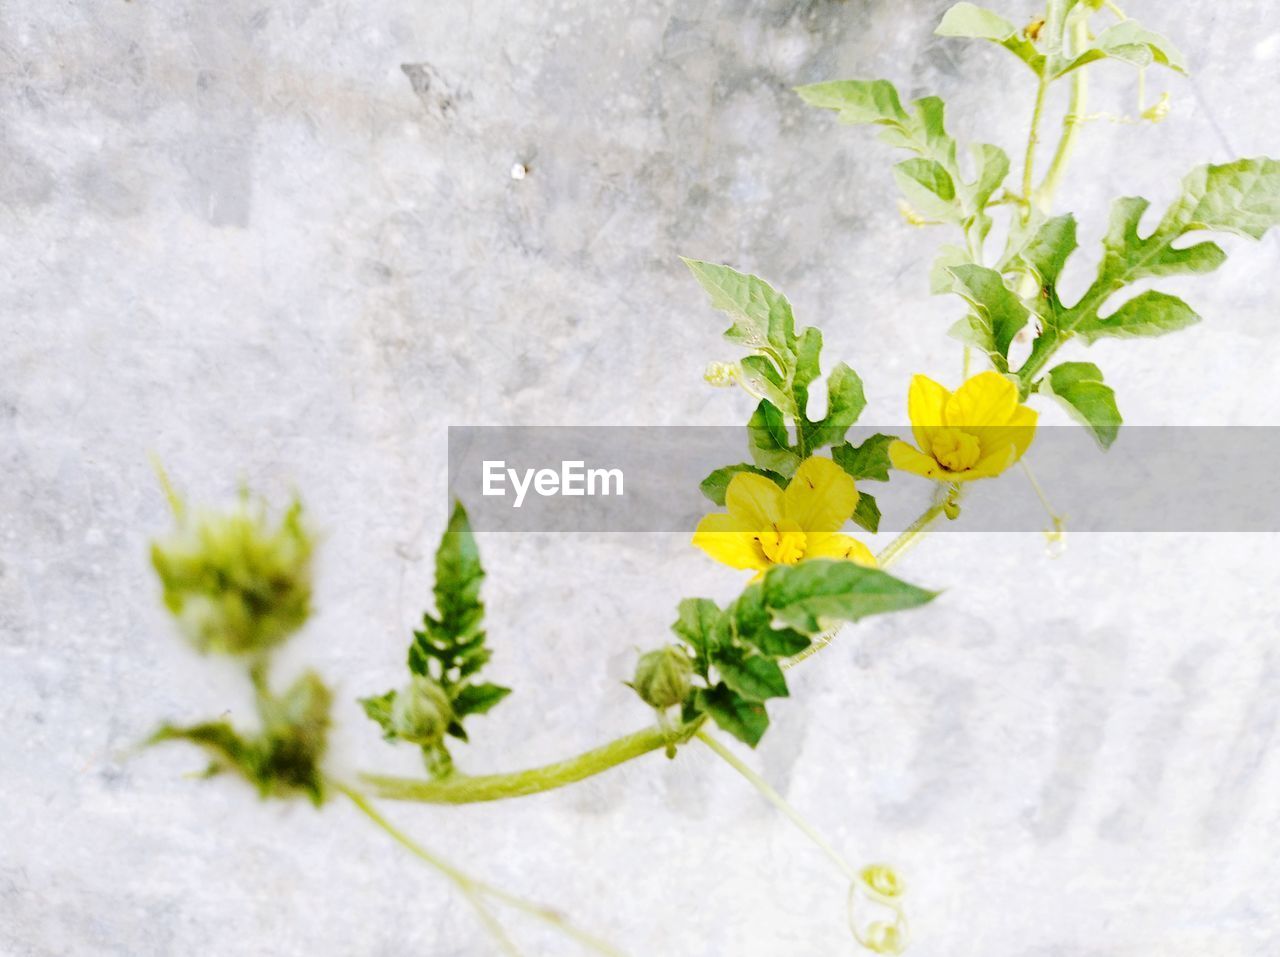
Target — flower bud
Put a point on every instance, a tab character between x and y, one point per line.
662	677
421	712
236	583
721	374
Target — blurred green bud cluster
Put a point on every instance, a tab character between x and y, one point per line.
283	760
663	677
236	582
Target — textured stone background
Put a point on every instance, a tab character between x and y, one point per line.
279	242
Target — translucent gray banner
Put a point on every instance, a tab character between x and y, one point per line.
646	479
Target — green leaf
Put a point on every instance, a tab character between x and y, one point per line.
478	698
1131	43
762	316
1050	247
752	676
768	441
1079	387
969	20
752	624
992	164
1148	314
458	577
1241	197
845	401
716	484
228	750
698	624
802	595
928	187
940	279
870	460
378	709
745	720
999	312
761	377
857	101
866	513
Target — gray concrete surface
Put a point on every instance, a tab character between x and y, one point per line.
281	243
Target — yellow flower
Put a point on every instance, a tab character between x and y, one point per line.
767	526
976	432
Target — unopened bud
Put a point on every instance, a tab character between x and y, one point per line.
662	677
721	374
421	712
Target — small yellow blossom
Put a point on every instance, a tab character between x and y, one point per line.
976	432
767	526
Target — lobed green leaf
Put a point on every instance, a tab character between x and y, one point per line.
1080	389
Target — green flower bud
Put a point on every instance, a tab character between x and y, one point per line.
662	677
421	713
235	583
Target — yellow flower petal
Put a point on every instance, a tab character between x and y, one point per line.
986	399
820	497
755	501
908	459
926	402
723	538
840	546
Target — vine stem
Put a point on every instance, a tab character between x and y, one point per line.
778	801
909	536
465	789
475	890
1028	164
1071	123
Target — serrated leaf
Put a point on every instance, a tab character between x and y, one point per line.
866	513
458	576
477	698
803	595
1080	389
857	101
745	720
1241	197
972	21
754	677
1148	314
870	460
1000	312
716	484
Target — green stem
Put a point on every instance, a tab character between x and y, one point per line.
909	536
778	801
469	887
1028	163
475	890
1071	123
464	789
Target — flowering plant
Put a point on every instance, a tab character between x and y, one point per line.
239	584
